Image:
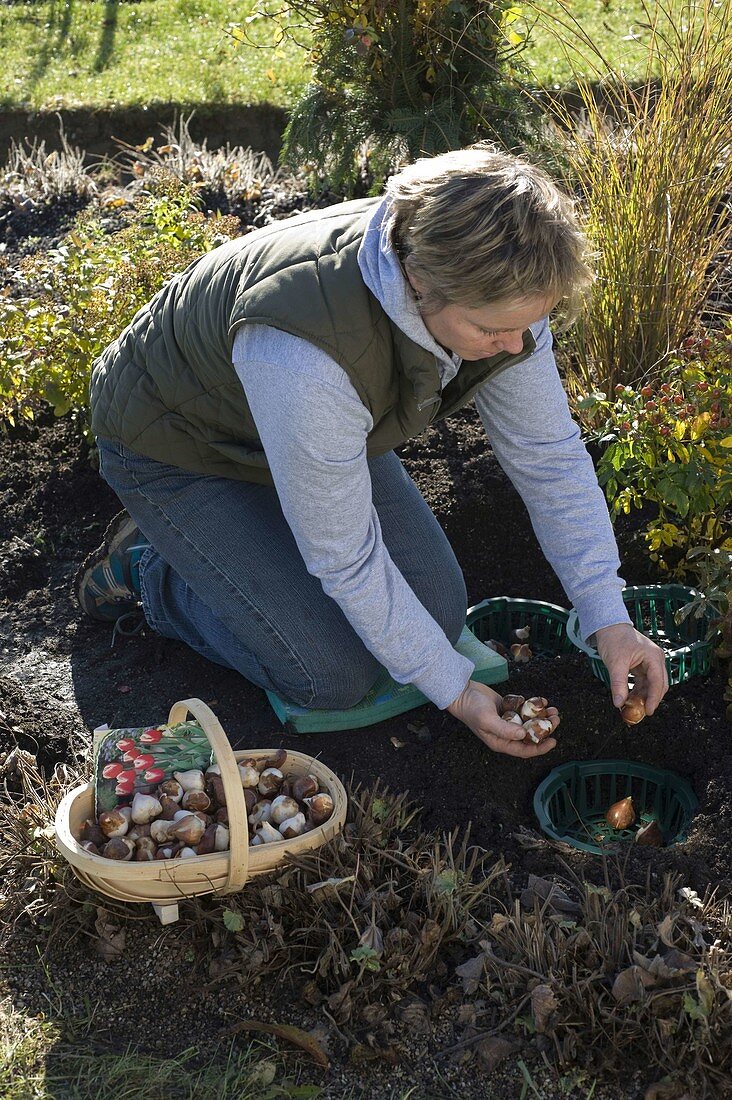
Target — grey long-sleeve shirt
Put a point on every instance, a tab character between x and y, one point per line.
313	427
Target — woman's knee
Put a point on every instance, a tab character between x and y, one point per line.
340	680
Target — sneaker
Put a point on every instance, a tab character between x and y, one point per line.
107	586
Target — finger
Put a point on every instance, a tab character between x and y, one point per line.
656	684
618	684
507	731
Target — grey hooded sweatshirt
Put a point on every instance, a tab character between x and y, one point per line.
313	427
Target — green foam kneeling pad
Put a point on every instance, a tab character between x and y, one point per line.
387	698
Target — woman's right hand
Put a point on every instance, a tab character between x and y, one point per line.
478	707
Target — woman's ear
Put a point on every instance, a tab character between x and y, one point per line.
414	281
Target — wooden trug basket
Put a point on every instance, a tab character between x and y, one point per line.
164	882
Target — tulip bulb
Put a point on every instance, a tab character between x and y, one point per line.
138	831
216	789
293	826
521	633
537	730
90	831
521	653
145	849
512	702
321	807
512	716
221	817
160	830
114	823
305	786
213	770
534	708
262	812
270	781
189	829
251	798
277	761
172	789
164	853
215	839
144	808
621	815
497	647
650	835
186	853
281	808
195	801
119	847
89	847
249	776
191	780
267	833
633	710
169	808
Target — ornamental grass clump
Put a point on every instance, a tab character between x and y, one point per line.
652	165
394	81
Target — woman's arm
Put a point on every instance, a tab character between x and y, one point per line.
313	427
526	416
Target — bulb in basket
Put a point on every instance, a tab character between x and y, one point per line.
186	814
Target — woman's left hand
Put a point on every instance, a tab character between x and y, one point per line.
624	650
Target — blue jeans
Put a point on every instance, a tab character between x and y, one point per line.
223	575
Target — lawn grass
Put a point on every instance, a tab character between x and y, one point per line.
101	53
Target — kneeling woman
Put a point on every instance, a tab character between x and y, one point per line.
247	420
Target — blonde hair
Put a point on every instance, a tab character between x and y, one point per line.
477	226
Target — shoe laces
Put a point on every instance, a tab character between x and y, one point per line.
125	631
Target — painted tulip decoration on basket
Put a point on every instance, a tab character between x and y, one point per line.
186	814
532	714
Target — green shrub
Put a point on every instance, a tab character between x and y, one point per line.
394	80
65	305
669	445
652	167
713	570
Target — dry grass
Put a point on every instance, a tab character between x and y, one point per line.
387	925
653	165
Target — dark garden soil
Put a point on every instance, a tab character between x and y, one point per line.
59	677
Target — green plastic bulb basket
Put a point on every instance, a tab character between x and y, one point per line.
572	801
652	609
495	619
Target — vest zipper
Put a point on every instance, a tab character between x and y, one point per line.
430	401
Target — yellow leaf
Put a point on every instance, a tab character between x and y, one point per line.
270	74
726	442
514	38
146	145
679	429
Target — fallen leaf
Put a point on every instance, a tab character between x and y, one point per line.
666	927
544	1006
397	743
123	689
544	890
290	1034
414	1014
110	942
329	885
630	984
498	922
340	1003
691	896
471	973
494	1049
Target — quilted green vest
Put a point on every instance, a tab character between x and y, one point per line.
167	387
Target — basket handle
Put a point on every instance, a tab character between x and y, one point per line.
235	803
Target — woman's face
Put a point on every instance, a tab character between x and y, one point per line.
480	333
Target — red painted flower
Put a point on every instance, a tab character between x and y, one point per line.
111	771
124	786
125	744
130	755
151	737
128	776
154	775
143	761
